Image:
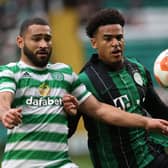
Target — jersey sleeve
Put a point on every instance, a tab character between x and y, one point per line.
79	89
7	81
89	85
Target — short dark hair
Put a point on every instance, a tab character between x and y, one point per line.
28	22
104	17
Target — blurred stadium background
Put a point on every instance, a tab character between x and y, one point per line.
146	35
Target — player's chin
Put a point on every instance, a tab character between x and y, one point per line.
42	62
117	59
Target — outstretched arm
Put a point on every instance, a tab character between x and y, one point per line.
10	117
118	117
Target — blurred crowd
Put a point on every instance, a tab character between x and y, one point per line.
13	12
149	26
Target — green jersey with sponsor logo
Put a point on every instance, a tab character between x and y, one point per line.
119	147
41	139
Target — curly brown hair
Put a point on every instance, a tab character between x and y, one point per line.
104	17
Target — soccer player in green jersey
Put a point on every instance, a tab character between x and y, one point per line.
31	103
125	83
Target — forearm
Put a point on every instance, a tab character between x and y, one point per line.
111	115
10	117
118	117
114	116
5	103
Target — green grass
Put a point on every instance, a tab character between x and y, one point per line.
83	161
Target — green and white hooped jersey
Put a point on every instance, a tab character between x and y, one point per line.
41	139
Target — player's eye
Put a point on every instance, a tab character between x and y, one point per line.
119	37
107	38
47	38
36	38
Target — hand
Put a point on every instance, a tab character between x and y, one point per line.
12	117
157	125
70	104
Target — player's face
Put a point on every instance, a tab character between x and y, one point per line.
109	42
36	45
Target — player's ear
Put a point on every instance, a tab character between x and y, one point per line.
19	41
93	42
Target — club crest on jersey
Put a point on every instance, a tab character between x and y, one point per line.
138	79
44	89
58	76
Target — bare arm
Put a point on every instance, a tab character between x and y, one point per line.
115	116
10	117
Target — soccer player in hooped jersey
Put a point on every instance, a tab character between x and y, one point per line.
31	108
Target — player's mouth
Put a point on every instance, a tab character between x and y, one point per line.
42	53
116	53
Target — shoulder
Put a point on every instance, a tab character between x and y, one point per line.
8	69
83	77
8	66
135	61
61	67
